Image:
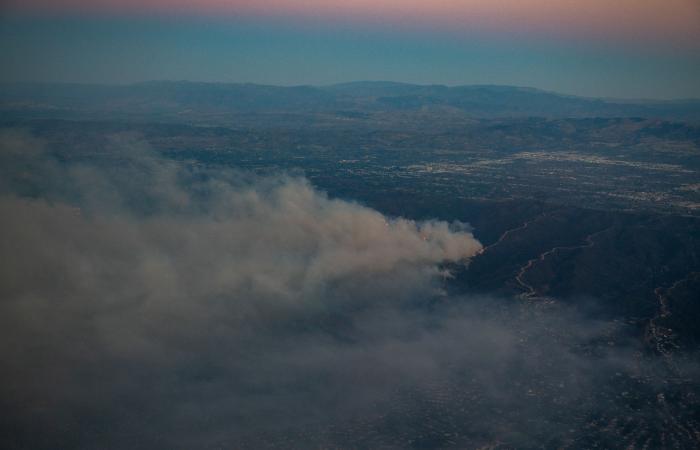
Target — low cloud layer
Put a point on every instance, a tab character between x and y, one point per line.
149	304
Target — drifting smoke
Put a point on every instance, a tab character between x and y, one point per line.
147	264
147	304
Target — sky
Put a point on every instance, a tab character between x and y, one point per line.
626	48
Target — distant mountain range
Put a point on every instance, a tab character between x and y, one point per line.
181	97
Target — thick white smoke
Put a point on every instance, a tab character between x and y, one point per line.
149	265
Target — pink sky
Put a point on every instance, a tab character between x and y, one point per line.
646	20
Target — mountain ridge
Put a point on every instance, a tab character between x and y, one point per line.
474	101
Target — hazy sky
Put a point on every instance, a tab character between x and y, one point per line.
635	48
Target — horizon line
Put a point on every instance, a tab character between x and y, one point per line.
366	81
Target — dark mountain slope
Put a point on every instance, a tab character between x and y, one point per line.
181	98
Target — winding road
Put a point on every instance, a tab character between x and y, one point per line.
530	291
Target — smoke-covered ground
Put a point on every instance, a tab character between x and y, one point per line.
153	304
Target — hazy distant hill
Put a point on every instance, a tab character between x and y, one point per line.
162	97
